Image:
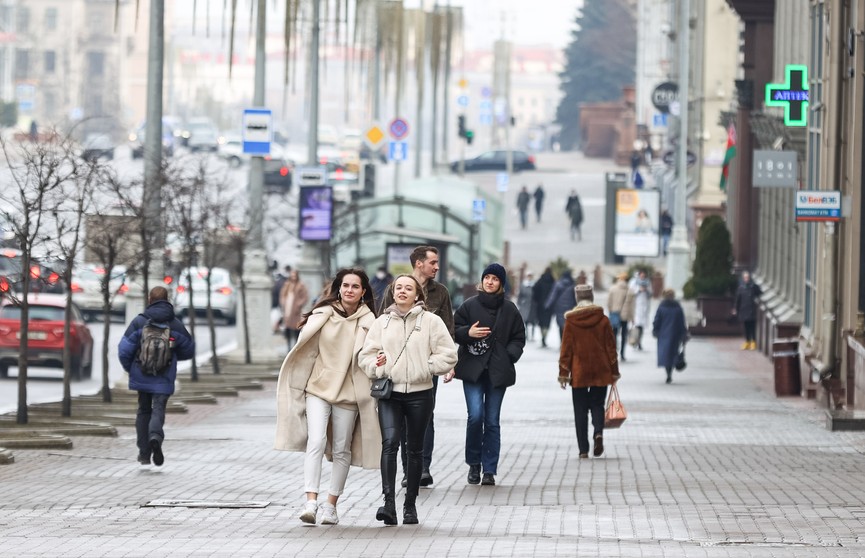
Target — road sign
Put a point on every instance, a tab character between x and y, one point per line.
670	158
398	151
486	119
486	91
311	176
374	137
479	210
398	128
664	94
463	100
257	129
659	120
502	181
463	83
818	205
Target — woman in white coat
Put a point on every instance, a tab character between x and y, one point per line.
321	384
408	345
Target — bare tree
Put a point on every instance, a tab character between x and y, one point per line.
36	172
108	243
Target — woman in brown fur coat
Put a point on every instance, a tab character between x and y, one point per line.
588	363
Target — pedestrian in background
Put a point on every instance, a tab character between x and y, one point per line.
523	200
642	289
620	304
491	335
745	307
408	345
380	283
437	300
670	329
562	299
524	303
540	292
587	363
293	296
574	209
275	297
539	196
153	390
666	230
323	396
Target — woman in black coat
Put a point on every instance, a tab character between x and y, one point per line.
540	292
745	307
491	335
670	329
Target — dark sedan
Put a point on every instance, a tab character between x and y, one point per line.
497	161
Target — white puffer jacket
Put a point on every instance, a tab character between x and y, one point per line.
430	350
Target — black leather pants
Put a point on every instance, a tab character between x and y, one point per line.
414	411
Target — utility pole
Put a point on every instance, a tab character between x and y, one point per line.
256	342
447	81
312	135
679	251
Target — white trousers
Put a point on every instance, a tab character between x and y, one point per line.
318	413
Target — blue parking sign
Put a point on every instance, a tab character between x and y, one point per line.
479	210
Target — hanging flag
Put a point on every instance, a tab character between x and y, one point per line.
729	153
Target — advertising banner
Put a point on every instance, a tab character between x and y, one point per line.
638	216
316	212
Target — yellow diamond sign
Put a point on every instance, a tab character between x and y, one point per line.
374	137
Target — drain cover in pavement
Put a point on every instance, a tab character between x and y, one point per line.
203	504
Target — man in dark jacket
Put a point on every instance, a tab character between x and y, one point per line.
153	390
523	200
425	266
745	307
562	299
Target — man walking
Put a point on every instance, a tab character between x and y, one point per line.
574	209
523	200
425	265
151	346
539	196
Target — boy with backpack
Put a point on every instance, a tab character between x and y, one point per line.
151	346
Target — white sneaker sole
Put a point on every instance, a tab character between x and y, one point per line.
308	516
329	521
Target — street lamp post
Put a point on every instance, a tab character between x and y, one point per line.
679	250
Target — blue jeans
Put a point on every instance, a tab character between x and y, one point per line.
483	433
150	420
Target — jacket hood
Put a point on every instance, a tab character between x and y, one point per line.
160	311
587	316
413	311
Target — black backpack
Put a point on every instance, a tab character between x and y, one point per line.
154	350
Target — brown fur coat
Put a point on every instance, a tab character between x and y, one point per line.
588	354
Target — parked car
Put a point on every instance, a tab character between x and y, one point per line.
223	294
45	335
497	161
43	279
203	135
96	146
138	135
328	135
87	290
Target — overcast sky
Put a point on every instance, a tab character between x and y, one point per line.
525	21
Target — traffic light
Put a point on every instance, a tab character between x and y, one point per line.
368	173
469	135
461	125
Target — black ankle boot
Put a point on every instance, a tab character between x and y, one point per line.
409	511
387	512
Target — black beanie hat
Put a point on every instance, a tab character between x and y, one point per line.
498	270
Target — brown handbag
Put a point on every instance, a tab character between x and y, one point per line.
614	414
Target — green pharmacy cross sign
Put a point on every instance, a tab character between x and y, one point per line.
792	95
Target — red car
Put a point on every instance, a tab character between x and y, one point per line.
45	335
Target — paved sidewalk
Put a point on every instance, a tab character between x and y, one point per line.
712	465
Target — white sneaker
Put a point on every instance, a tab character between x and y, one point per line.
309	510
328	514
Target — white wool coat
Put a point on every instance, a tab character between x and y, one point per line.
291	427
429	351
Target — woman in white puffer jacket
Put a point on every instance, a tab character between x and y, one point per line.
408	345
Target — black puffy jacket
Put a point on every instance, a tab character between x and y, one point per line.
507	339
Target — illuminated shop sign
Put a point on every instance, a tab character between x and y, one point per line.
792	95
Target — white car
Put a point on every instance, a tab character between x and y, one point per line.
203	135
223	293
87	290
232	150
